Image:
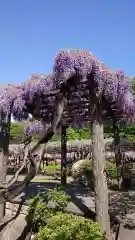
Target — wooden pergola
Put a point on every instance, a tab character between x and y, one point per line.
83	103
77	114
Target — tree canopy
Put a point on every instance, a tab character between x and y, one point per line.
17	131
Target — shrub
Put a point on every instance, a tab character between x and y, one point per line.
59	198
84	168
68	226
39	213
81	167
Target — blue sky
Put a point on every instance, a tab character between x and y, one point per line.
33	31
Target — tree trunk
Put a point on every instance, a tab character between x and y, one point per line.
99	172
63	155
118	154
42	153
4	143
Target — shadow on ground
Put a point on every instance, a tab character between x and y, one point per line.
120	203
77	193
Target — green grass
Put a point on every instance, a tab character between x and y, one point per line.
51	169
44	180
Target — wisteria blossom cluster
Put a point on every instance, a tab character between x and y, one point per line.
75	149
23	98
38	86
71	67
113	84
35	93
8	95
34	128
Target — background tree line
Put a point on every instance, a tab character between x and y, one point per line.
127	131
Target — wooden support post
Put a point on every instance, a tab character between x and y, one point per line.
4	143
118	153
99	171
63	154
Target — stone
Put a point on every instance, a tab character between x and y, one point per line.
129	221
11	209
14	229
126	234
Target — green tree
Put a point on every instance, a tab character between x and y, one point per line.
16	131
133	84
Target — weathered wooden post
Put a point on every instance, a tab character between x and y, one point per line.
99	167
4	143
118	153
63	154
